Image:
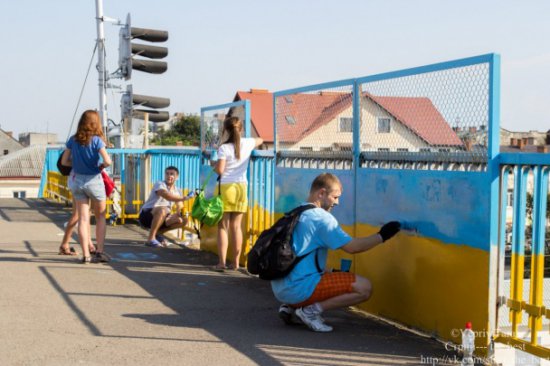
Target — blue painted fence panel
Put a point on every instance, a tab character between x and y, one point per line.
447	205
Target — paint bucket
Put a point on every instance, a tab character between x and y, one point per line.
345	265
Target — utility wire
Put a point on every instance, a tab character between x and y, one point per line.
81	92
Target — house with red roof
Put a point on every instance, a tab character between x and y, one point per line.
261	113
323	121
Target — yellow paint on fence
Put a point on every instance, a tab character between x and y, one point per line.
535	295
516	290
255	221
405	289
56	187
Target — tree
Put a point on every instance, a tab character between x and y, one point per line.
529	205
186	129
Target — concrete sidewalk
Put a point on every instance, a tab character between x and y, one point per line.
162	307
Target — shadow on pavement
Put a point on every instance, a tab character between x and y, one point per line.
234	308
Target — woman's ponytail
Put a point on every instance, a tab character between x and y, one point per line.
234	127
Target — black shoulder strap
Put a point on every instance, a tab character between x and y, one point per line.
298	259
298	211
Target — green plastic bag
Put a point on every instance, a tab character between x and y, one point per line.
208	211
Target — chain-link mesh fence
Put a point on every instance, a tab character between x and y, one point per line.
518	276
417	119
318	125
212	123
211	128
430	119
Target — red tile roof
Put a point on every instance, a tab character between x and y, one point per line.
261	115
421	117
311	111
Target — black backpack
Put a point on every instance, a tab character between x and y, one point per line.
63	169
272	256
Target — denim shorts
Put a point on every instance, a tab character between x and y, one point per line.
70	180
88	186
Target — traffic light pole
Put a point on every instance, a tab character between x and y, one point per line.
101	64
146	130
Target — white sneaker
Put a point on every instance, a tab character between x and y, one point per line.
313	321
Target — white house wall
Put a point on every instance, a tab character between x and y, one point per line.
398	137
29	186
328	135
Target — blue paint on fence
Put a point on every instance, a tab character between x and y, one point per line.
447	205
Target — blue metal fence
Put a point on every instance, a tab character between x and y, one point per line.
419	146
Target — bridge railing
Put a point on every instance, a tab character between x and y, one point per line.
419	146
524	253
134	172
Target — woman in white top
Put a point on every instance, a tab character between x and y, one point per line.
233	157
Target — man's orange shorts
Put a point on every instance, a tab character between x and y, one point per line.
332	284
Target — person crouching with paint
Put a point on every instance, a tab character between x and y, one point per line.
156	213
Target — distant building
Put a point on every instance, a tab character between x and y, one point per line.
20	172
261	114
532	141
534	137
8	144
323	122
37	138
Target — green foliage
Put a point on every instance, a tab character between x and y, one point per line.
186	129
529	205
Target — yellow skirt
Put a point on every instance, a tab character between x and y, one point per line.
234	197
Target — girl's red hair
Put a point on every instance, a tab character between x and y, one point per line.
88	127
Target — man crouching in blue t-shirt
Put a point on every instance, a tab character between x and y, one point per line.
309	292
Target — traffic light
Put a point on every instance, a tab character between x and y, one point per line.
127	62
129	100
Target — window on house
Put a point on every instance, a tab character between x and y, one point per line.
306	148
510	198
383	125
19	194
290	120
402	149
288	99
385	149
424	149
444	149
346	124
6	152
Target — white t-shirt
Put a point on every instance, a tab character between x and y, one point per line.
235	170
155	200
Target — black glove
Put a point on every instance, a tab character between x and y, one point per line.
389	230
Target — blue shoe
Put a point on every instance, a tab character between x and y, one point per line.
153	243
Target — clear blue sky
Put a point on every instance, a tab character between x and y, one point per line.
218	47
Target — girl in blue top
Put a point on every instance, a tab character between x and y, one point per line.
83	151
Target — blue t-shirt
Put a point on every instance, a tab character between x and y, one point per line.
85	159
316	229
